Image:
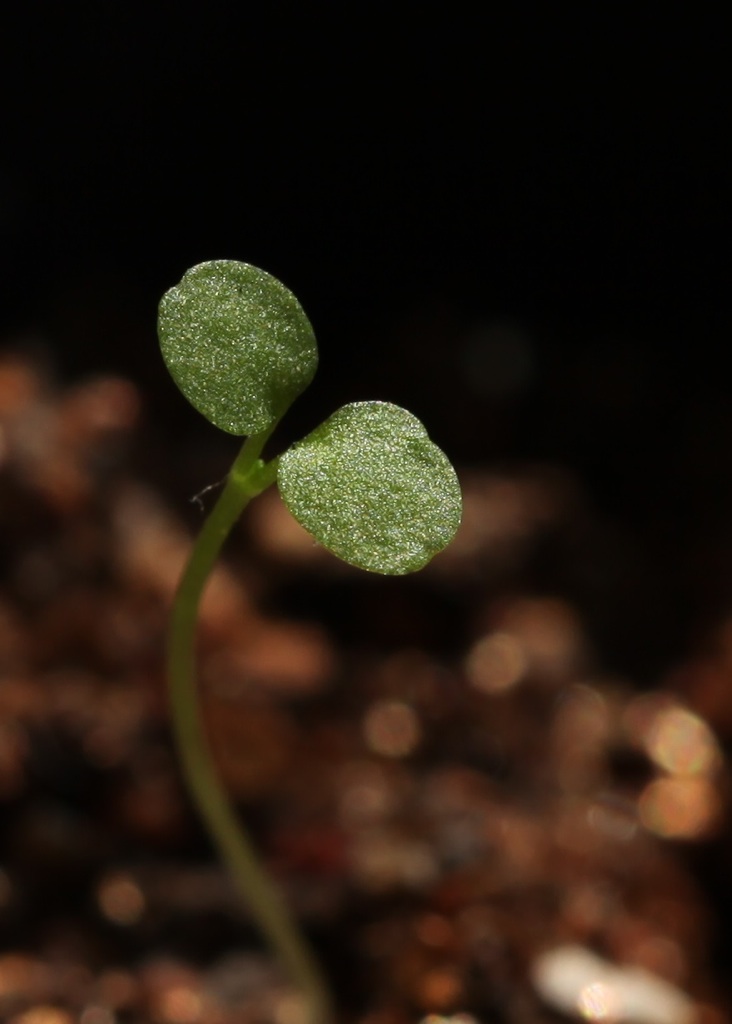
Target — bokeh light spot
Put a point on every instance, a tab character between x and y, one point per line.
180	1005
682	744
679	808
597	1001
496	662
549	634
392	728
440	988
290	1008
120	899
44	1015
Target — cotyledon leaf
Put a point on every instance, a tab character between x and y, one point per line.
237	343
371	487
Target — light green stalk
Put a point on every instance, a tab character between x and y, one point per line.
249	476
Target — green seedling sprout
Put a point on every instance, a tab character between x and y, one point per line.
368	484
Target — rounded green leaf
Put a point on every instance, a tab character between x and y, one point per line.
372	488
237	343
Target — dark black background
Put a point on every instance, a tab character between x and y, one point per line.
567	167
419	178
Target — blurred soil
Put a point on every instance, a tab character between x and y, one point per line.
446	777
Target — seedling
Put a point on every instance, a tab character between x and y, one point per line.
368	484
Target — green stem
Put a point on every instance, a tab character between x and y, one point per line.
248	477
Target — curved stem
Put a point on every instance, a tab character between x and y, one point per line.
248	477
